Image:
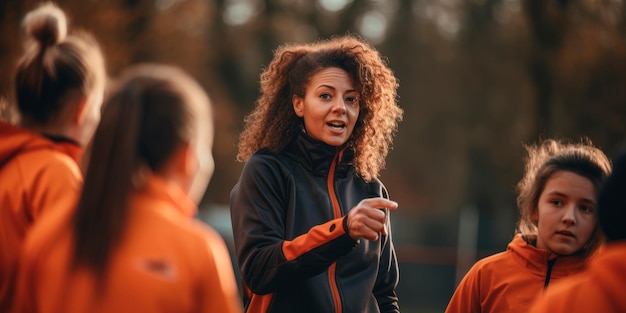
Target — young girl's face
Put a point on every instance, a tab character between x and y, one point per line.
566	213
330	107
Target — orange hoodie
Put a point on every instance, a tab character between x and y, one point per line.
600	288
36	175
166	262
510	281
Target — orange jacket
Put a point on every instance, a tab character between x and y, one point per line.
165	262
36	175
510	281
600	288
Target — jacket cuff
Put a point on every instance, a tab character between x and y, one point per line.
347	231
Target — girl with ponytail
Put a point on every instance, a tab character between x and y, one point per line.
131	245
59	83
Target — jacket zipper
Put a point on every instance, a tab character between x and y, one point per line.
337	213
548	273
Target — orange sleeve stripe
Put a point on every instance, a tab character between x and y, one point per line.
316	237
260	303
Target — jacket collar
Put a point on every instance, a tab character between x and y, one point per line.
318	156
15	140
157	187
536	260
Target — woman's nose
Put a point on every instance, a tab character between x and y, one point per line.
339	105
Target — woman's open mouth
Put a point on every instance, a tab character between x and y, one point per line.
336	125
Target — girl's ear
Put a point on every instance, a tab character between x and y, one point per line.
298	105
184	160
181	166
81	111
534	216
177	165
192	163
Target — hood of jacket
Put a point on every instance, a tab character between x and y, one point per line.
536	260
317	156
15	140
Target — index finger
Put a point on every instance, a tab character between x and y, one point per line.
380	203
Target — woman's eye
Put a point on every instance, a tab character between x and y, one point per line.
325	96
352	100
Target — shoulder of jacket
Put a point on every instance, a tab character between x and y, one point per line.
34	166
207	241
493	261
45	156
263	160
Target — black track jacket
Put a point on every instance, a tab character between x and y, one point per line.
290	235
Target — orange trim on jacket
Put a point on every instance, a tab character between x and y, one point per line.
332	269
510	281
36	175
316	237
600	288
258	303
166	262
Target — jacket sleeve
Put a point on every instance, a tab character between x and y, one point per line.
258	210
466	298
387	280
26	298
219	291
23	301
56	185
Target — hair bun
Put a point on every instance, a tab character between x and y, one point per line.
47	24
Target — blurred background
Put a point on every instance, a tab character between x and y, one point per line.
478	80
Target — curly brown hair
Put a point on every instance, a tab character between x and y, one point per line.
543	161
273	123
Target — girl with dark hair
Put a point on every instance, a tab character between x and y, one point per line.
600	288
310	217
131	245
556	234
59	85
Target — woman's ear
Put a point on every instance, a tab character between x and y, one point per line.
298	105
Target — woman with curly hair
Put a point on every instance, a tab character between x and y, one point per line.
557	231
309	214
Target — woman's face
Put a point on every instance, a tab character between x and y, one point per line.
330	107
566	213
